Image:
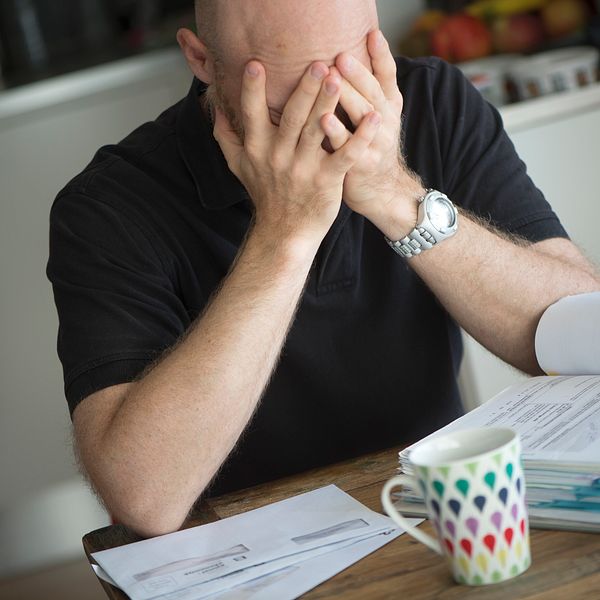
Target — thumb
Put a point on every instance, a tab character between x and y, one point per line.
228	140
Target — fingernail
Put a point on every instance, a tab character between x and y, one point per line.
379	38
348	63
252	69
331	87
375	119
318	72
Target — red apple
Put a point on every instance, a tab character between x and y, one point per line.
517	33
461	37
562	17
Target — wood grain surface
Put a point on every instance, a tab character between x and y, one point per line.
566	565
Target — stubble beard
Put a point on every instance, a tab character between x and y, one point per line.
215	98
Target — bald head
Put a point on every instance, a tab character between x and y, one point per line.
286	36
206	20
220	23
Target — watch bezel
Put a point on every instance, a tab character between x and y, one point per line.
436	196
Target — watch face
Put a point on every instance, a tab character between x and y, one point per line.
440	213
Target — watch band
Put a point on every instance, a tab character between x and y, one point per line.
414	243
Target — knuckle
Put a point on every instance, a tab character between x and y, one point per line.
321	181
252	150
376	92
299	172
376	157
309	86
276	161
233	167
311	130
291	121
247	113
351	153
363	135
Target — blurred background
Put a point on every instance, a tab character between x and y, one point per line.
42	39
77	74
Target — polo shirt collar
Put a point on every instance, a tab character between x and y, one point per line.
217	186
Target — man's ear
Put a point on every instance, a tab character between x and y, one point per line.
197	55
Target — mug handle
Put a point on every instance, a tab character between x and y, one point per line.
388	505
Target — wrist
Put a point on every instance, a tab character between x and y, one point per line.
294	250
397	214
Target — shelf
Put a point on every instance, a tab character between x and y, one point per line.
538	111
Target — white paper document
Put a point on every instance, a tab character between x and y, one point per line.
297	579
272	547
300	578
557	418
567	340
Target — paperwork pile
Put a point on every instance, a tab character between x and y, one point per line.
278	551
558	419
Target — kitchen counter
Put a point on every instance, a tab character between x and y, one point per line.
88	82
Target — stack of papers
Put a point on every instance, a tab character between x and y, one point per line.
558	419
279	551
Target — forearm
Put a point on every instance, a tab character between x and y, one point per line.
150	448
494	285
176	426
497	288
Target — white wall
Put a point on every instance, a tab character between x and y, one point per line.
40	150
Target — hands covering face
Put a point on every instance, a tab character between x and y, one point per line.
296	185
374	181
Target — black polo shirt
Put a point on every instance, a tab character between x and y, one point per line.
145	234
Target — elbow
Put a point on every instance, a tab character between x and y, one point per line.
149	523
143	504
530	365
149	515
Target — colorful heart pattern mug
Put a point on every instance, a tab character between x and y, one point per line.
473	486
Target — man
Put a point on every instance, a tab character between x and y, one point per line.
206	305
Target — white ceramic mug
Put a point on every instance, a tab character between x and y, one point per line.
473	486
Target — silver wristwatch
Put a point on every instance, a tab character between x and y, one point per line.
437	220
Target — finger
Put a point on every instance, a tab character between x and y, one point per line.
352	151
255	113
228	140
313	135
361	79
357	107
383	63
336	132
300	104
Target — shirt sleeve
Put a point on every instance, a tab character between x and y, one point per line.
481	169
115	297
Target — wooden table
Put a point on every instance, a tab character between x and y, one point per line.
565	564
